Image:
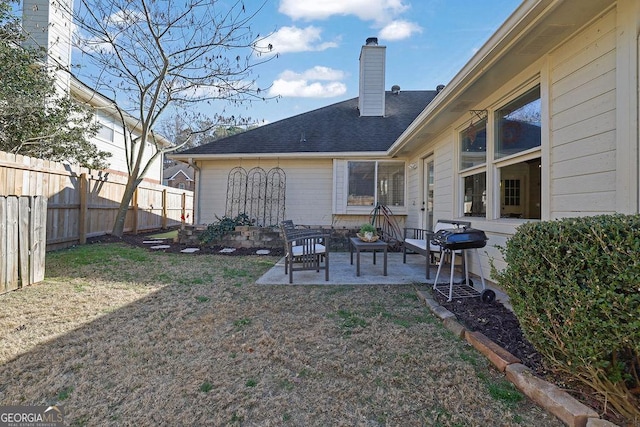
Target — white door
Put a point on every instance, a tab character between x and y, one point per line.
427	198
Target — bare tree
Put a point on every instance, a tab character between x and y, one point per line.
161	58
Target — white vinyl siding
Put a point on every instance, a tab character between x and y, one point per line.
444	194
307	196
583	122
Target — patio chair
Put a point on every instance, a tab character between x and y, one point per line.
305	249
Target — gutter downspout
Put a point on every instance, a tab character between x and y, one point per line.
196	198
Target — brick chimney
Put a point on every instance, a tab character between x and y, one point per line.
47	25
372	71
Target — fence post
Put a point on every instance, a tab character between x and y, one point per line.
135	211
164	209
183	208
82	216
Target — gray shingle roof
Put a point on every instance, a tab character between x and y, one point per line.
334	128
171	171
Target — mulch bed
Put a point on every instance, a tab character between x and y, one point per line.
138	240
496	322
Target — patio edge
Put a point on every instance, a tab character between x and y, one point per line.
545	394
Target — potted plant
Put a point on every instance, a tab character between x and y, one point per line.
368	233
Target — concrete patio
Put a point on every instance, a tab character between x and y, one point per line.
341	272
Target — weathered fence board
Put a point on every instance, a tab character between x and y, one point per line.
22	241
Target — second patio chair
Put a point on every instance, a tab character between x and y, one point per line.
305	249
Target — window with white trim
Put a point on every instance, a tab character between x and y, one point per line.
376	182
513	153
106	129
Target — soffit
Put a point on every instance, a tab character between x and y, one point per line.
531	32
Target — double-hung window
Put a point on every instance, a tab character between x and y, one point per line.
473	163
503	165
106	128
376	182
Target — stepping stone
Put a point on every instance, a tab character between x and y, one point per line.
152	242
227	250
190	250
161	247
263	252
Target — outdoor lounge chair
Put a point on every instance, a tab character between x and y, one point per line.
305	249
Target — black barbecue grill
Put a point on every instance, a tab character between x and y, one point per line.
456	240
460	238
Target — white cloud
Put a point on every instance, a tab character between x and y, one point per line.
367	10
294	39
398	30
304	89
316	73
310	83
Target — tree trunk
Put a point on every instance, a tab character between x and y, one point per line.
118	225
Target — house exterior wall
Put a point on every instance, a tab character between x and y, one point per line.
308	195
581	150
48	26
582	81
114	143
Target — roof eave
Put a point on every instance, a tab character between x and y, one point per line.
503	49
262	156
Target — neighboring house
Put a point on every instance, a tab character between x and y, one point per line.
47	26
179	176
542	123
111	135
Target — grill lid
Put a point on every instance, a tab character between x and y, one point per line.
460	238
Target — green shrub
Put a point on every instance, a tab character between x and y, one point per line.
223	227
575	287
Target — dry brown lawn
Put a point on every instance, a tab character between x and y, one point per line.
123	336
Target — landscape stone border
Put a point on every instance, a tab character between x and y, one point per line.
547	395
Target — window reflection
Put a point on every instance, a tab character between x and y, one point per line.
518	125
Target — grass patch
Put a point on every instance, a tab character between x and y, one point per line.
234	273
206	387
251	382
64	394
240	323
505	392
201	298
350	320
166	235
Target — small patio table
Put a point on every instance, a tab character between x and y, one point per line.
360	246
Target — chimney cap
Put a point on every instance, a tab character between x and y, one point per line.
372	41
395	89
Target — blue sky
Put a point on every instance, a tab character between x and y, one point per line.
319	41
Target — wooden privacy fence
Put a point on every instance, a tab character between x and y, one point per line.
84	203
23	222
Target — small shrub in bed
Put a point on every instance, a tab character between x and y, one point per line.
575	287
223	227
